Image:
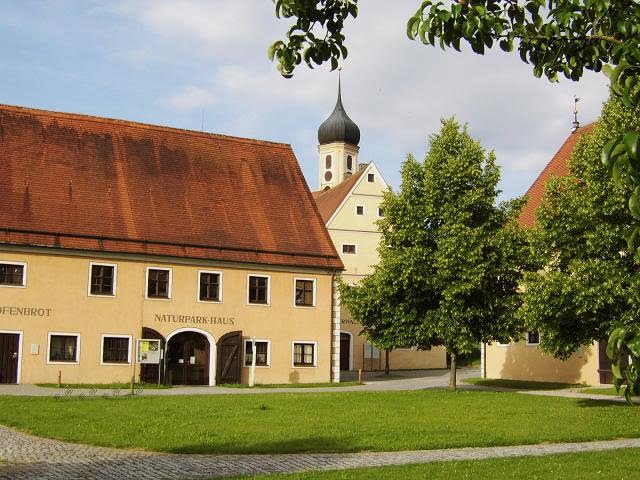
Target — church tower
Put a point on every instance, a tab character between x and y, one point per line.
338	139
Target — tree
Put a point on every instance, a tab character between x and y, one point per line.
587	282
555	36
449	257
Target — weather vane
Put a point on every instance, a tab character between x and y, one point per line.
576	123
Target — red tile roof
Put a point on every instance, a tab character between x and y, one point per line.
328	201
557	167
80	182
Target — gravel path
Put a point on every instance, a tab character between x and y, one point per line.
31	458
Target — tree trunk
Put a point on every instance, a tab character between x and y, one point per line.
386	362
452	377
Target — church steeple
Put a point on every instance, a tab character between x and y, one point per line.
338	138
339	127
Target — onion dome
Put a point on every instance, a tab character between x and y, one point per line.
338	127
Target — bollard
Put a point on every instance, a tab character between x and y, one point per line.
133	380
359	375
59	378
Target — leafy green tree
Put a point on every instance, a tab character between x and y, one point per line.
450	259
624	343
555	36
588	282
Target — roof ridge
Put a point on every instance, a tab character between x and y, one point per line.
580	131
128	123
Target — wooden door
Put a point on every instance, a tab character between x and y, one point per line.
345	350
229	366
188	359
9	344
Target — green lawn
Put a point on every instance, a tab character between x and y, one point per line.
604	391
520	384
618	464
320	422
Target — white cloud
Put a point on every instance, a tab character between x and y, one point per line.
190	98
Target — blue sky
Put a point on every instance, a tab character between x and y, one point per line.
175	62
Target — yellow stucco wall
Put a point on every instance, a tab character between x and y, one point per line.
361	357
58	285
347	227
519	361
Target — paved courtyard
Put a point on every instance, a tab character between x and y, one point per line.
373	381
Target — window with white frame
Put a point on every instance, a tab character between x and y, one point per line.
158	282
116	349
13	274
370	177
305	292
102	279
64	347
359	209
349	248
304	354
258	289
263	354
209	286
533	338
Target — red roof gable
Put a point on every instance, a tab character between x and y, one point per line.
328	201
80	182
557	167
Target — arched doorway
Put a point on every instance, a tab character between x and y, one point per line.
345	351
188	358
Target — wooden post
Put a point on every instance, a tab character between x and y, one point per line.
59	378
359	375
133	381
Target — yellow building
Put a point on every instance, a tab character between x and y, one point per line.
349	202
524	360
131	250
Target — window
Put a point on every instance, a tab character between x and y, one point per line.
13	274
359	210
370	177
327	162
305	292
209	286
348	248
370	350
102	279
349	162
259	289
533	338
116	349
158	282
262	353
304	354
328	176
64	347
380	212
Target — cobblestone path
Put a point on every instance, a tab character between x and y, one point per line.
30	458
